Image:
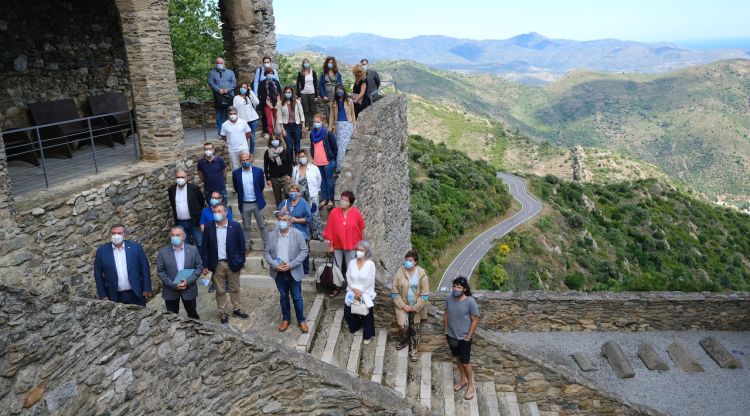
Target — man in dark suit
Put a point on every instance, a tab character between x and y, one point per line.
248	182
169	261
224	255
187	201
121	270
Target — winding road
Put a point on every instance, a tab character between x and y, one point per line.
466	261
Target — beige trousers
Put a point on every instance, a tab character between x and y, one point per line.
222	277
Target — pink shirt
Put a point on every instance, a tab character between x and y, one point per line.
344	231
320	158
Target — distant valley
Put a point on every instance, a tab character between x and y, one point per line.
529	58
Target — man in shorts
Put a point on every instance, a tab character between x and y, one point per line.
461	320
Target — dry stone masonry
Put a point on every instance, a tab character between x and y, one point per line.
75	356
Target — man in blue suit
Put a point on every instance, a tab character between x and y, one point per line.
224	255
121	270
249	182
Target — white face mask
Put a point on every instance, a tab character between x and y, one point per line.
302	160
267	64
360	254
233	117
181	181
208	153
117	239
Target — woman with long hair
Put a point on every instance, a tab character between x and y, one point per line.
359	90
278	168
307	90
329	79
290	121
245	102
270	90
342	119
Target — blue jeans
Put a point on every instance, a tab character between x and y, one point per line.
221	117
193	234
326	188
293	137
288	286
253	126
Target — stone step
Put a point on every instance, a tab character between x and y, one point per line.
466	407
378	366
488	404
401	372
548	413
508	404
529	409
314	316
333	336
425	384
257	262
446	388
352	366
265	281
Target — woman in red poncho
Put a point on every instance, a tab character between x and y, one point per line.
344	229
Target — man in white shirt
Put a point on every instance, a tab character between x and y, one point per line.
121	270
187	202
236	132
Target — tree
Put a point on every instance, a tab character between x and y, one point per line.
195	30
287	73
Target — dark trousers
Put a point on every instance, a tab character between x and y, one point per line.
355	322
309	108
193	233
190	307
287	287
128	297
293	139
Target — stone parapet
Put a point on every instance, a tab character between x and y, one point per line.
609	311
67	355
376	170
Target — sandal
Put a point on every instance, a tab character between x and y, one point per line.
459	386
333	293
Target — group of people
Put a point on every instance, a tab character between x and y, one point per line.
206	241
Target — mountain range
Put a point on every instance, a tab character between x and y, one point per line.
529	58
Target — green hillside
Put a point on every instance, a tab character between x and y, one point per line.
639	235
693	123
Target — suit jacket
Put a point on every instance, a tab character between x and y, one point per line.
196	202
105	271
297	253
166	267
259	183
235	246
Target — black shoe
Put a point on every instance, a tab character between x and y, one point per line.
224	318
238	312
211	287
402	344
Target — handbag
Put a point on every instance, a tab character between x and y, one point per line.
359	308
330	274
222	101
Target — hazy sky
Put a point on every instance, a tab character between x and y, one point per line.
639	20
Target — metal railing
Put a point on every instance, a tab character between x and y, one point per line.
384	85
55	149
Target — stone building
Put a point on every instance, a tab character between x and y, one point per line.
74	49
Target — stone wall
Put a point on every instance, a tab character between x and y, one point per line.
248	32
607	311
376	170
74	356
53	50
49	244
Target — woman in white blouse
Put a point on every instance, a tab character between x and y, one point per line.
245	102
360	280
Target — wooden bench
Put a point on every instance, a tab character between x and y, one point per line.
117	123
58	139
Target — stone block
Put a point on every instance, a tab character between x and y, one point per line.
651	358
718	353
584	362
617	359
682	357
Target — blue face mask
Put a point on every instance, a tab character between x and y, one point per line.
243	90
176	241
220	66
339	93
457	293
246	164
218	216
215	201
409	264
275	143
283	225
294	195
317	125
288	95
330	65
306	65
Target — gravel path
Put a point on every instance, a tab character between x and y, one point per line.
716	391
